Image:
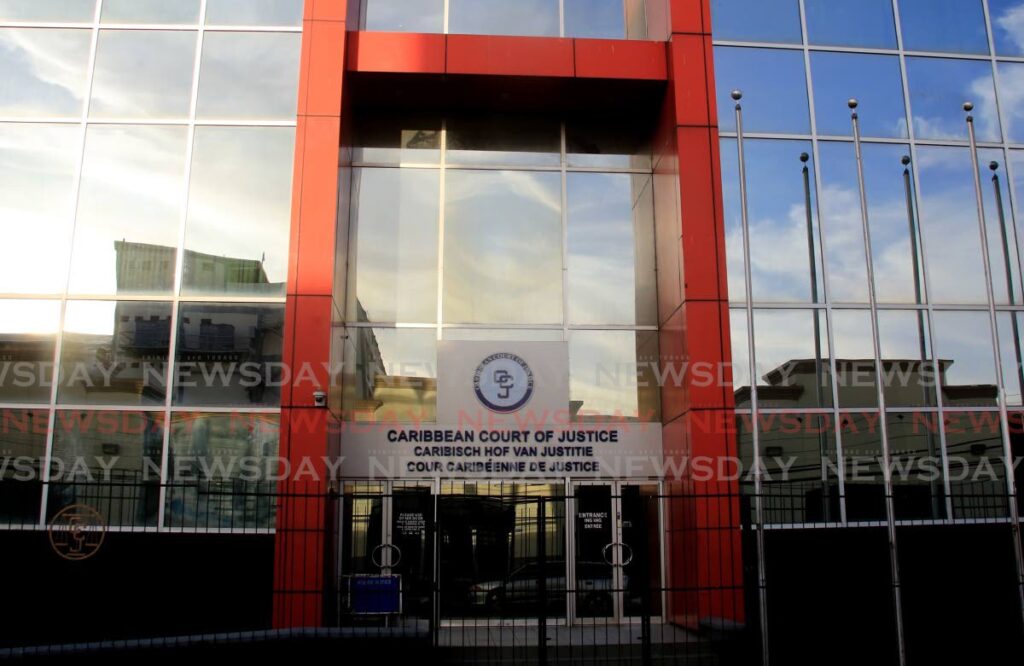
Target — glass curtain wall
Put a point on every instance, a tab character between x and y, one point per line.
599	19
823	287
499	227
145	187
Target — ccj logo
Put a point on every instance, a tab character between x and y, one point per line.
503	383
77	532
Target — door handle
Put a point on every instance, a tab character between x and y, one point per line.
380	549
626	548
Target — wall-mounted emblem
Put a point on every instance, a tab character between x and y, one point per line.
503	382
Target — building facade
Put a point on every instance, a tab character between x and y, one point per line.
596	314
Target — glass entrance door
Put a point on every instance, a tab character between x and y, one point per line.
616	564
388	529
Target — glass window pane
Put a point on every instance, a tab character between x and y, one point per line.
1011	355
22	447
37	171
865	23
974	448
909	376
608	141
862	455
383	138
756	20
855	358
500	17
143	74
1007	26
394	228
129	210
774	86
150	11
735	261
605	231
611	376
792	358
1011	96
219	467
45	72
249	76
808	491
915	449
390	375
58	11
956	26
740	357
503	334
949	222
874	80
404	15
938	89
28	333
999	227
114	353
504	140
229	354
239	211
254	12
502	247
963	349
109	461
780	253
844	229
599	19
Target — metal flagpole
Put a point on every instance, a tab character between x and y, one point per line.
908	193
762	588
1001	391
890	508
819	377
994	167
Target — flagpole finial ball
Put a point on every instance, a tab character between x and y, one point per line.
737	94
905	160
968	107
993	165
804	157
852	102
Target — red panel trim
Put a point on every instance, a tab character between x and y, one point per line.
396	52
688	15
620	59
689	80
326	67
319	207
510	56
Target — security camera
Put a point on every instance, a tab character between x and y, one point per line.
320	398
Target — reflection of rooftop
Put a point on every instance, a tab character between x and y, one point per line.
146	267
795	379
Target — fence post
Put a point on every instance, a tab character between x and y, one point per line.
645	611
542	583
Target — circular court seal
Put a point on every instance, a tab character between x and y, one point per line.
503	383
77	532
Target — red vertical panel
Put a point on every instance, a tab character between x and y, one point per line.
301	519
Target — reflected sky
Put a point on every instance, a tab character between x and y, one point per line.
853	338
64	11
605	19
965	338
998	253
844	230
782	336
254	12
249	75
131	191
780	260
874	80
1011	99
756	20
240	197
1010	354
740	349
143	74
37	167
395	229
501	17
903	336
45	71
602	250
404	15
1007	26
150	11
865	23
774	88
603	373
502	247
938	89
955	26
